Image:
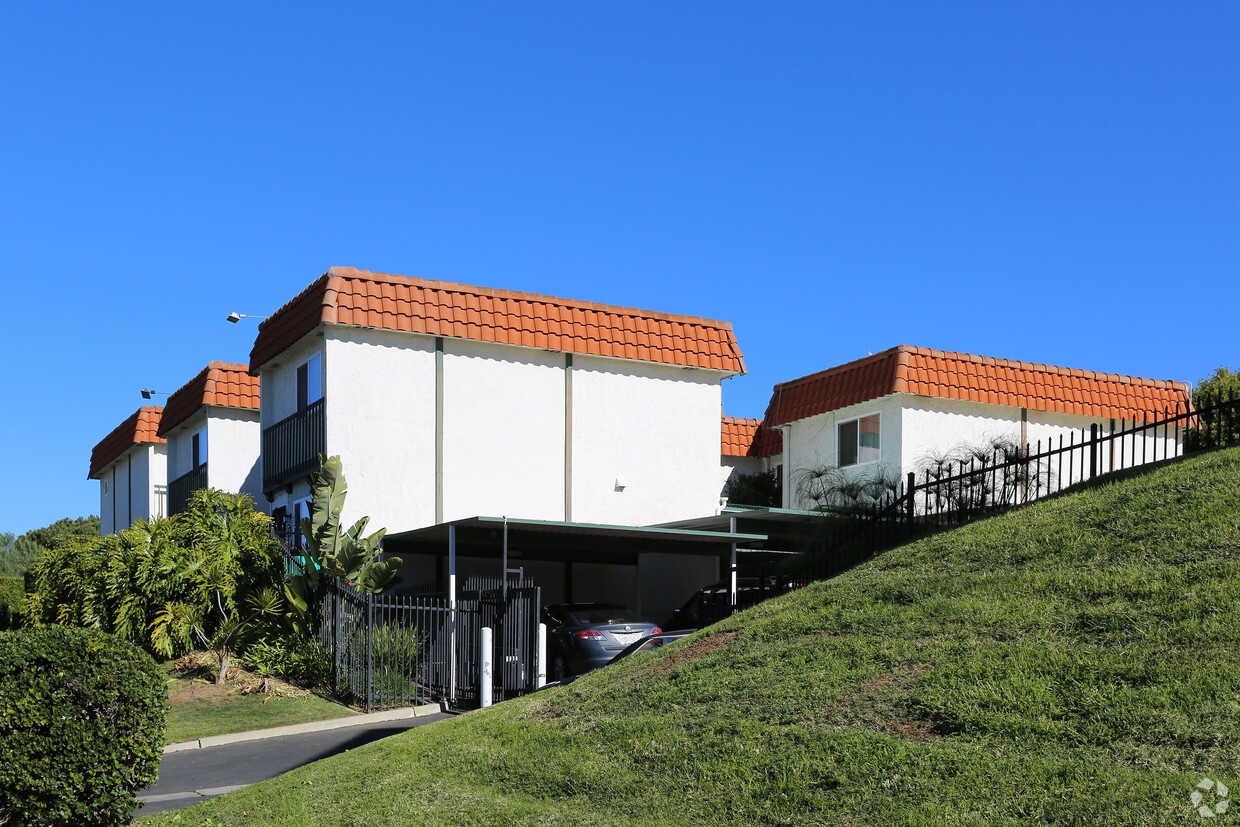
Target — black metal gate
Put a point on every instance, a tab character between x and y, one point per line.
389	650
512	615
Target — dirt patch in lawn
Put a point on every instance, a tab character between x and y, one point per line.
875	704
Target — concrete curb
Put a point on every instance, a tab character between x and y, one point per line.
313	726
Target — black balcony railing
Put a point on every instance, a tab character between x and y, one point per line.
291	447
184	485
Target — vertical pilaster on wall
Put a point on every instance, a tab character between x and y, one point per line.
438	429
568	437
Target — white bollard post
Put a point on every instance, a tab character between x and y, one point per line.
487	655
540	680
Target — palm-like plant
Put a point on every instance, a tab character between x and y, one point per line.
332	554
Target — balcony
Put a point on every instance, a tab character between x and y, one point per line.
184	485
291	447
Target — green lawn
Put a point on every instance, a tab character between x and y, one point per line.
1074	663
198	709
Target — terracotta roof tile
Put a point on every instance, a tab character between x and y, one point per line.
737	436
140	428
936	373
219	384
344	295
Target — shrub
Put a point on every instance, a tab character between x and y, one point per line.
293	657
12	593
163	584
81	726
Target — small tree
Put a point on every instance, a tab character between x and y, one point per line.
330	554
1218	422
761	488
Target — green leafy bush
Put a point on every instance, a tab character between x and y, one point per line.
81	726
165	584
292	657
12	593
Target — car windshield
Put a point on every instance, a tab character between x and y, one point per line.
595	615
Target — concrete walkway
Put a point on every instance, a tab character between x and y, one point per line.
195	771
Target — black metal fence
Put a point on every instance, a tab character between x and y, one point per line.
291	447
392	650
950	493
180	489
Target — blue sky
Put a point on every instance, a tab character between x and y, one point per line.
1051	182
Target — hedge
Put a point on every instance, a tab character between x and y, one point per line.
81	726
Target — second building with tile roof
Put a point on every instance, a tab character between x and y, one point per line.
211	424
909	407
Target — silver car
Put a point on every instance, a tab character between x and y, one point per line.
585	636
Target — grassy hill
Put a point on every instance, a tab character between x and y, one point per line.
1075	662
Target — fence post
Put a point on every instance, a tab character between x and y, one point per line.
909	488
370	666
485	655
336	621
540	679
1093	450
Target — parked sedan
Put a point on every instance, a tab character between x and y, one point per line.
585	636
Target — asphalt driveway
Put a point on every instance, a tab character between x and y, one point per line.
195	775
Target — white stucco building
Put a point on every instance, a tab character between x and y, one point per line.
447	401
211	425
131	464
898	410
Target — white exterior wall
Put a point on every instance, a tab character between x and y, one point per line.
812	443
918	430
380	392
157	459
278	379
181	444
233	438
503	432
654	428
127	487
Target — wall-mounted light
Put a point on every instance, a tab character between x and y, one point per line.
235	317
620	484
147	393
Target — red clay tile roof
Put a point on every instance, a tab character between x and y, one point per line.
140	428
738	436
219	384
925	372
346	296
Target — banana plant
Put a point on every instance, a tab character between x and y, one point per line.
332	554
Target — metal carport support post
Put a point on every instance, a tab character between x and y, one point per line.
732	577
452	612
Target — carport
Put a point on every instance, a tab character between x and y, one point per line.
651	569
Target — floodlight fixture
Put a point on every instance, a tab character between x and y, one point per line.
235	317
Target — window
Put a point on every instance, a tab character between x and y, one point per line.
858	441
310	382
198	448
